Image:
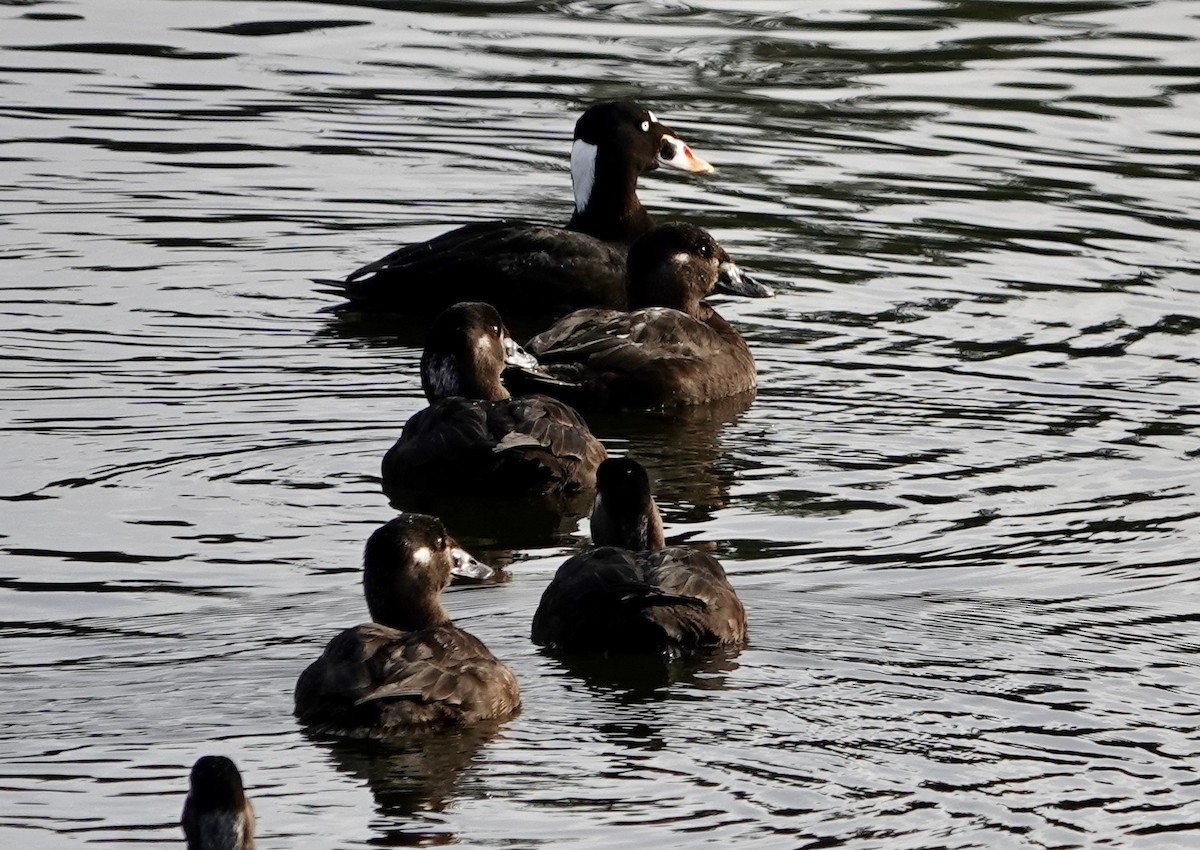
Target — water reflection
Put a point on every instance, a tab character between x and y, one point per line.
633	679
411	778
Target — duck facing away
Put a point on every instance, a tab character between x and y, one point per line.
522	267
411	668
217	815
474	436
631	594
672	350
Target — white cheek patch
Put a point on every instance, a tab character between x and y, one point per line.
222	829
681	258
583	173
442	376
422	556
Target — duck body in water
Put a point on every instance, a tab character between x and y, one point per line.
536	269
671	349
411	668
474	437
632	594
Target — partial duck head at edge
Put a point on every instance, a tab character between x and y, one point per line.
625	514
615	143
407	563
467	349
216	814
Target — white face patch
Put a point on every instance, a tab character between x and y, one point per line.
583	173
652	118
681	258
441	374
423	555
222	829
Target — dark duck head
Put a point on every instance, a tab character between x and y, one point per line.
615	143
217	815
407	563
467	350
677	265
624	514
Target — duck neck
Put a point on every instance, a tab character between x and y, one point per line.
412	615
606	201
447	375
639	530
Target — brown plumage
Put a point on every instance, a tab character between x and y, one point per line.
673	349
411	668
632	595
474	436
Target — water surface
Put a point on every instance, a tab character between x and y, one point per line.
962	511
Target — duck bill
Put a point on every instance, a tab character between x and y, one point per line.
674	152
734	281
514	355
466	566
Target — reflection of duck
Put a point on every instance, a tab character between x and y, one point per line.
474	437
672	350
530	268
631	594
217	815
417	773
411	667
615	678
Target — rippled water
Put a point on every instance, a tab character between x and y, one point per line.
962	511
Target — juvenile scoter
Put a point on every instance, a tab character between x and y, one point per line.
631	594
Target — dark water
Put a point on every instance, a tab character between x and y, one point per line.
962	511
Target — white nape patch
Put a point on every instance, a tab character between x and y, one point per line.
221	829
583	173
652	118
423	555
442	375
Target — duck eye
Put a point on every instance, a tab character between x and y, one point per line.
705	250
645	126
496	330
441	542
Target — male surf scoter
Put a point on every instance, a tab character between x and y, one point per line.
525	268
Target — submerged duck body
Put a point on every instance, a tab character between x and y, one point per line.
217	814
523	267
631	594
411	668
673	349
474	436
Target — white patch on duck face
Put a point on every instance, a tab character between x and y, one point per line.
681	258
441	373
583	172
643	525
653	120
222	829
422	556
